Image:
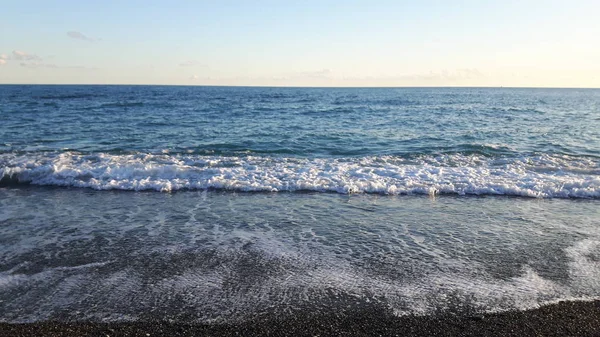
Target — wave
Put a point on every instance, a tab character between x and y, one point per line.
539	176
67	96
121	105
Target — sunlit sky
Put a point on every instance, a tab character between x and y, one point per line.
533	43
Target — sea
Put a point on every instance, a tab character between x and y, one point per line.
224	204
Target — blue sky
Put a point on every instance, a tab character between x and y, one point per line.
308	43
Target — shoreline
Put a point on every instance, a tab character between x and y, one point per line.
579	318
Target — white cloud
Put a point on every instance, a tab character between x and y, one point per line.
430	78
194	77
33	65
80	36
23	56
318	73
322	74
456	75
33	61
191	63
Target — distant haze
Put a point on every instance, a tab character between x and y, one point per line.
531	43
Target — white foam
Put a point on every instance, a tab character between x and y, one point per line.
584	266
214	294
542	176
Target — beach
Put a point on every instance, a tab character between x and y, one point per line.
561	319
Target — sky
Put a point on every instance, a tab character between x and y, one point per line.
525	43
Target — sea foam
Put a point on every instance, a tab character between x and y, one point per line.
540	176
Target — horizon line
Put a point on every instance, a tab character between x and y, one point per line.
291	86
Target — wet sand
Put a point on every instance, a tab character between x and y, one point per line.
562	319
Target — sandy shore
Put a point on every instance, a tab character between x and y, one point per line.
562	319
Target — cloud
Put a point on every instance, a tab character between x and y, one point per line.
80	36
33	65
429	78
23	56
471	73
191	63
456	75
318	73
33	61
194	77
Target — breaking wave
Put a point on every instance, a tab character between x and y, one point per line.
540	176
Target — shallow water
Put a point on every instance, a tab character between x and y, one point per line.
204	256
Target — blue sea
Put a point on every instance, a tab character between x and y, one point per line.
223	204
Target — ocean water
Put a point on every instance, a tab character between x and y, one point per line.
207	204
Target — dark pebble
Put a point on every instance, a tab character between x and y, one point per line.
562	319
